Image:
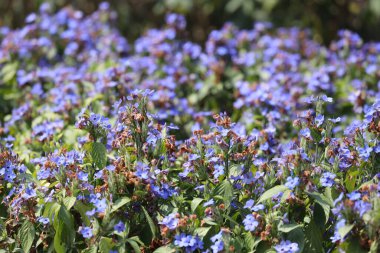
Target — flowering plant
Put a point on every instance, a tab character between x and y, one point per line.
261	140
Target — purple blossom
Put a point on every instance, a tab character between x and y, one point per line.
287	247
250	223
327	179
119	227
291	182
170	221
86	232
189	242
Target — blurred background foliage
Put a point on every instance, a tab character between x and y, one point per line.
323	17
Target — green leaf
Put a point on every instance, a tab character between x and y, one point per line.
272	192
92	249
59	245
351	179
250	241
64	230
27	233
314	238
225	190
134	245
8	72
150	223
119	203
105	245
316	135
286	195
323	201
297	235
136	239
51	209
202	231
69	202
354	246
98	153
343	231
195	203
82	209
319	217
286	228
165	249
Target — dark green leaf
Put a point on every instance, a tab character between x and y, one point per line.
323	201
286	228
314	238
272	192
27	233
150	223
202	231
105	245
134	245
225	190
298	236
98	153
69	202
119	203
195	203
343	231
165	249
250	241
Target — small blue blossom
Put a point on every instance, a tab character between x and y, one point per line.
119	227
319	120
43	220
364	152
189	242
291	182
306	133
287	247
218	244
327	179
211	202
170	221
86	232
250	223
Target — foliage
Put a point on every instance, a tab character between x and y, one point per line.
263	140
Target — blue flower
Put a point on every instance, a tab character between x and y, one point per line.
218	170
354	195
189	242
209	203
362	207
291	183
91	213
119	227
86	232
364	152
218	242
170	221
100	205
43	220
258	207
306	133
336	237
82	176
319	120
249	204
327	179
250	222
143	171
29	193
287	247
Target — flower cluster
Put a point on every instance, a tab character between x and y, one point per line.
260	140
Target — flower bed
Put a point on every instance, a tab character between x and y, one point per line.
261	140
